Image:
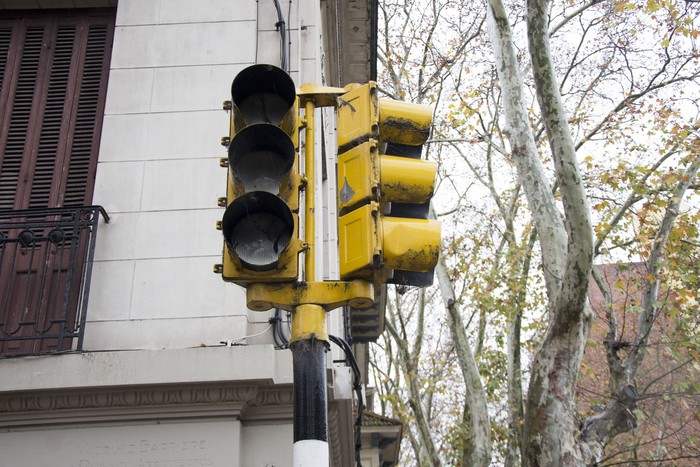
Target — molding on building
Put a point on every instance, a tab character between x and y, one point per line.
244	383
350	31
168	385
230	400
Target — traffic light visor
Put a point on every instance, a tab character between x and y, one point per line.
263	94
257	228
260	156
362	115
403	122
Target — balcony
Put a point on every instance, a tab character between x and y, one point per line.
45	265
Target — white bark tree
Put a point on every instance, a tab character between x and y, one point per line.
488	275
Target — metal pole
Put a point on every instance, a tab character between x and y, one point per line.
309	340
310	193
310	398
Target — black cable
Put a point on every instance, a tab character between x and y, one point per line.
281	27
357	386
257	25
280	331
275	322
289	34
281	340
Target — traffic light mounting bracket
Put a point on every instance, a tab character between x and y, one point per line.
327	294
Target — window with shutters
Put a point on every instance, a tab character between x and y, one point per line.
54	68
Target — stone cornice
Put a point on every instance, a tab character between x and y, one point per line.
242	401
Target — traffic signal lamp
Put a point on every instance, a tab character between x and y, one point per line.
384	190
260	225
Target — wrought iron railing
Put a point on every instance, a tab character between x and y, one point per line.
45	266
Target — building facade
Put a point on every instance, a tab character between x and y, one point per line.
120	346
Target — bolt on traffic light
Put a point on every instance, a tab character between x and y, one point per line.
384	190
260	225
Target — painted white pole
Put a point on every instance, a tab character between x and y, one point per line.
310	453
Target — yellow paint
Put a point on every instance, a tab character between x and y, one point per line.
358	117
362	115
310	218
403	122
358	176
322	96
411	244
406	180
328	294
364	176
309	321
369	241
359	240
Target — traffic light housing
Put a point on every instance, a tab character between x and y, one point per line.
384	190
261	223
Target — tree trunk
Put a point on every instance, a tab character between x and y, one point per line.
549	426
515	378
546	216
409	367
515	391
479	440
549	431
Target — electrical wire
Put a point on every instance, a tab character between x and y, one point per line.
237	341
357	386
289	35
281	27
257	25
281	341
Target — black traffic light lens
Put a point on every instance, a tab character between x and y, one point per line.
263	94
257	228
260	156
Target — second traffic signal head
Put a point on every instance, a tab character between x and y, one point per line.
384	190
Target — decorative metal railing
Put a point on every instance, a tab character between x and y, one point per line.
45	266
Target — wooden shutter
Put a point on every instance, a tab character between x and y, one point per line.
54	68
54	76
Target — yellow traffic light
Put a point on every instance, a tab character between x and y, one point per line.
260	225
384	190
